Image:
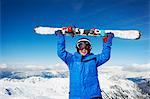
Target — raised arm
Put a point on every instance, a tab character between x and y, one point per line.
105	55
61	52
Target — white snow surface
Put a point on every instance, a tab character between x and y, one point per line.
113	82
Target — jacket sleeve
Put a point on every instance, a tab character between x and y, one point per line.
61	52
105	55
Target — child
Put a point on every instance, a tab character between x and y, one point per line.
83	65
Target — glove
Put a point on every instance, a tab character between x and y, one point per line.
108	37
58	33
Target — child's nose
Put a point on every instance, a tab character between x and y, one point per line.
84	50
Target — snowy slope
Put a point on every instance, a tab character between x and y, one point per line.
34	88
115	83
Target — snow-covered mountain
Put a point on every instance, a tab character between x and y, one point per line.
116	83
28	74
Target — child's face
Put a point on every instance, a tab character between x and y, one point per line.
83	52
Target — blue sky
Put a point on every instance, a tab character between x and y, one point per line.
20	45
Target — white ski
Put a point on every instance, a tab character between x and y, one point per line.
124	34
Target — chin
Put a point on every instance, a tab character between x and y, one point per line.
83	54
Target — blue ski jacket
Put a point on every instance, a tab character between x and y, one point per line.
83	71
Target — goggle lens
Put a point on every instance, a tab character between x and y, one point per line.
84	45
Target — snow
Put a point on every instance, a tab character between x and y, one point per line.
35	88
113	80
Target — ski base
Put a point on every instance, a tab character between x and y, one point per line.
124	34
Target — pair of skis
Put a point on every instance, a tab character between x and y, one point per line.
73	31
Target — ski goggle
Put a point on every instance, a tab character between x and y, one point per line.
84	45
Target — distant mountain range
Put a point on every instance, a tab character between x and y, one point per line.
28	74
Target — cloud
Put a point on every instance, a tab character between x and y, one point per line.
31	67
35	67
137	68
3	66
9	67
105	9
63	66
59	66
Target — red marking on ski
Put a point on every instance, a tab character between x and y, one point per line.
70	29
64	28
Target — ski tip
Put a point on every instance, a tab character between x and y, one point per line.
44	30
35	28
40	30
139	36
